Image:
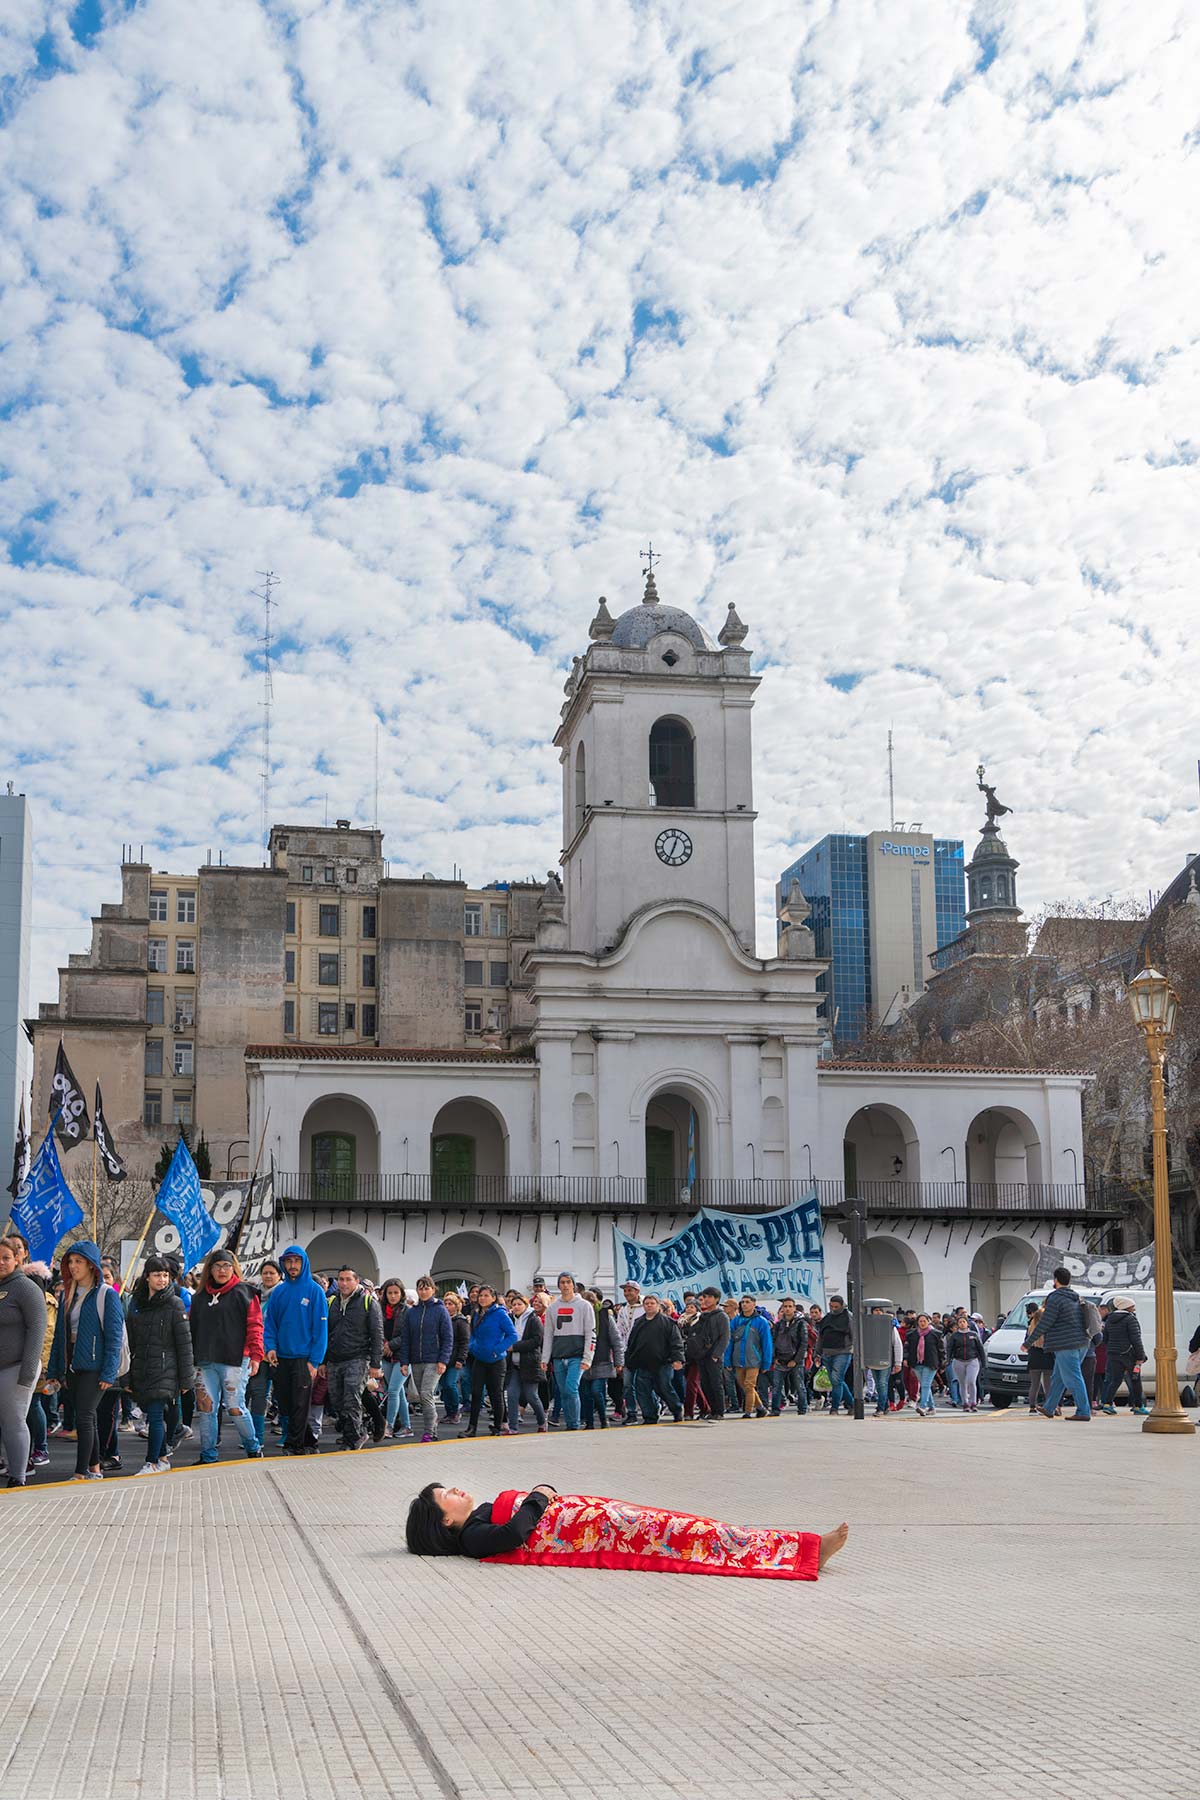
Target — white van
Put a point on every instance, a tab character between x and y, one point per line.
1007	1365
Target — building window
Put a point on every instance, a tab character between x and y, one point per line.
472	920
185	956
306	872
368	924
352	875
154	1064
181	1110
348	1016
152	1109
580	787
334	1155
185	909
473	974
330	921
474	1016
289	1018
289	966
158	905
498	974
368	979
327	971
672	764
185	1010
330	876
154	1006
327	1018
499	921
183	1057
500	1014
290	925
156	955
368	1021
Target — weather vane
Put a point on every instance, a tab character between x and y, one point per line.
650	556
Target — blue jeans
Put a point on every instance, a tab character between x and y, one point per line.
837	1366
629	1381
925	1387
1068	1374
654	1385
397	1399
882	1381
518	1393
455	1390
593	1390
224	1382
156	1430
567	1371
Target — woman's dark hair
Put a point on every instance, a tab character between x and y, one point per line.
427	1532
393	1281
153	1265
270	1263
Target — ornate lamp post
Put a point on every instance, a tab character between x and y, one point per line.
1155	1004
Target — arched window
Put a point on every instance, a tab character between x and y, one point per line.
672	764
580	786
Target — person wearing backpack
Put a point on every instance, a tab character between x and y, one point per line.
1063	1330
355	1349
89	1349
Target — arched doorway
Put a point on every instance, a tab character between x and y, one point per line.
891	1271
468	1153
330	1249
881	1153
469	1256
339	1149
1003	1151
1000	1273
672	764
676	1144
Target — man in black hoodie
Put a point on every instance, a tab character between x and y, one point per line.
355	1346
707	1342
655	1347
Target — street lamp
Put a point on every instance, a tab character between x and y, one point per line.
1155	1004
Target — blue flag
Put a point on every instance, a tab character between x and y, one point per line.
45	1209
180	1200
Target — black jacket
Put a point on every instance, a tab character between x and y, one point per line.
461	1327
393	1327
934	1356
707	1338
525	1356
160	1349
964	1346
479	1537
835	1333
1061	1325
653	1342
790	1338
355	1328
1123	1336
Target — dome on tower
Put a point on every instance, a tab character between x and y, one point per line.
635	628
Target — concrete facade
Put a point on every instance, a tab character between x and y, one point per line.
16	887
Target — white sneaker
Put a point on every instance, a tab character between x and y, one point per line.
160	1468
148	1469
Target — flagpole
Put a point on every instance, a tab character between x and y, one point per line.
249	1200
137	1247
95	1239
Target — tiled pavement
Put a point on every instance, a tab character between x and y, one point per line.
1014	1617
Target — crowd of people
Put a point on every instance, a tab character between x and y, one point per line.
177	1359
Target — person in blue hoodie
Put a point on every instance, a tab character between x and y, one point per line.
295	1336
86	1350
493	1336
750	1352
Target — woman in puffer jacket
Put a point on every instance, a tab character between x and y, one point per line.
491	1339
1126	1354
160	1355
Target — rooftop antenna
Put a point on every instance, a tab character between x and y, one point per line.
269	581
377	774
891	783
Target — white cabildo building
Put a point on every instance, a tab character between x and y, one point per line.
670	1066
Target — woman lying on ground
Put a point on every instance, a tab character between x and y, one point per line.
583	1531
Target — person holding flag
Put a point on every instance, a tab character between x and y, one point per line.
88	1336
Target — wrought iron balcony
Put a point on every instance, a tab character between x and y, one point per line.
554	1193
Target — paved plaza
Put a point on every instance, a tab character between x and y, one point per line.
1014	1616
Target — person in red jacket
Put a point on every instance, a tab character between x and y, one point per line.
227	1346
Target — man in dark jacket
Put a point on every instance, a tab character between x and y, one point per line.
1062	1330
835	1341
355	1347
1126	1353
706	1344
790	1340
655	1347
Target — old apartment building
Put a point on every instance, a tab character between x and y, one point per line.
320	947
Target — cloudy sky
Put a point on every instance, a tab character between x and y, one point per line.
879	319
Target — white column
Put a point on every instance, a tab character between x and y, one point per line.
552	1114
745	1107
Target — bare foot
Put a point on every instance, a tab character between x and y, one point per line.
831	1543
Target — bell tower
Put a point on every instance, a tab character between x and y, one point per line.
655	749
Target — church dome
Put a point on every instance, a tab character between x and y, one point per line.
635	628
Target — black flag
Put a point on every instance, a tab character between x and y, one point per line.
114	1168
20	1154
73	1125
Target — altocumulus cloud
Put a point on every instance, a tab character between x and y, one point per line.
878	319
